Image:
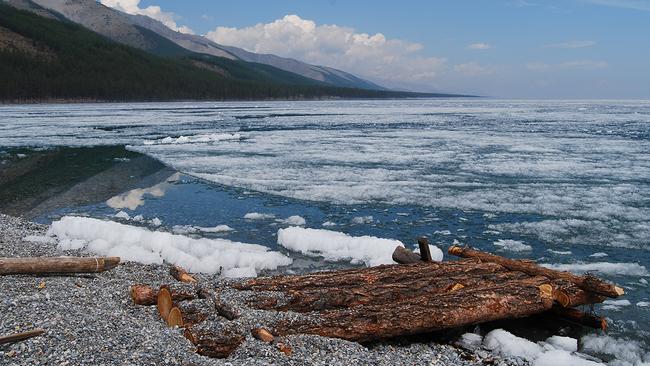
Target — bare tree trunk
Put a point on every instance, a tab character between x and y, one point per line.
41	265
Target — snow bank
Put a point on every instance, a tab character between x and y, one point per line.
512	245
470	341
213	137
138	244
618	269
555	351
337	246
258	216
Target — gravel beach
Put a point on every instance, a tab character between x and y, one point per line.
91	320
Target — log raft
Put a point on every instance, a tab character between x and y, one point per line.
367	304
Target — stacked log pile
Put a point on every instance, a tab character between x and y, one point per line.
367	304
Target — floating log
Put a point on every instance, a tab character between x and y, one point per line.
402	255
588	282
146	295
425	251
17	337
181	275
582	318
43	265
213	343
318	299
263	335
427	313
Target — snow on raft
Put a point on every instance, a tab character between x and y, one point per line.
337	246
132	243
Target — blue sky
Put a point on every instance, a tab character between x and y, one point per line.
538	49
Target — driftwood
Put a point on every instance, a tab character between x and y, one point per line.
164	303
181	275
582	318
17	337
263	335
174	319
587	283
146	295
42	265
402	255
425	251
211	343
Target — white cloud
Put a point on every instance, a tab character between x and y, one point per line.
643	5
153	11
578	64
479	46
473	69
571	44
373	56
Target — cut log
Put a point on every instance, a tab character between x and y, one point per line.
569	295
164	303
425	251
175	318
43	265
402	255
213	343
359	277
318	299
428	313
146	295
582	318
181	275
17	337
263	335
587	283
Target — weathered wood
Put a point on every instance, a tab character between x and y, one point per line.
582	318
164	303
588	282
225	309
146	295
317	299
263	335
210	343
358	277
425	251
17	337
175	318
181	275
569	295
425	314
402	255
42	265
194	311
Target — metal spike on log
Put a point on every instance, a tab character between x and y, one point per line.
146	295
588	282
181	275
402	255
425	251
425	314
17	337
582	318
43	265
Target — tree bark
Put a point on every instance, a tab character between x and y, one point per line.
587	283
317	299
213	343
181	275
425	251
425	314
41	265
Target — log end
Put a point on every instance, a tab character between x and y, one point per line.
164	303
546	291
111	262
181	274
619	291
561	298
175	318
142	295
263	335
455	250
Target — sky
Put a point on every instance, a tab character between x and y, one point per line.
502	48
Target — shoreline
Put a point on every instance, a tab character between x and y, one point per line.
87	315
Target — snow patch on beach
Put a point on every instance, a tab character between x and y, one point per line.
138	244
512	245
617	269
337	246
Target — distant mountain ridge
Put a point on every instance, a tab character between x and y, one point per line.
132	30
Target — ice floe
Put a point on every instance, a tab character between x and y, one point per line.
512	245
205	138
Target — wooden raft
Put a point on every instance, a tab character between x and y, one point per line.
417	296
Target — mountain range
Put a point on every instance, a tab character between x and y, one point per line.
223	69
